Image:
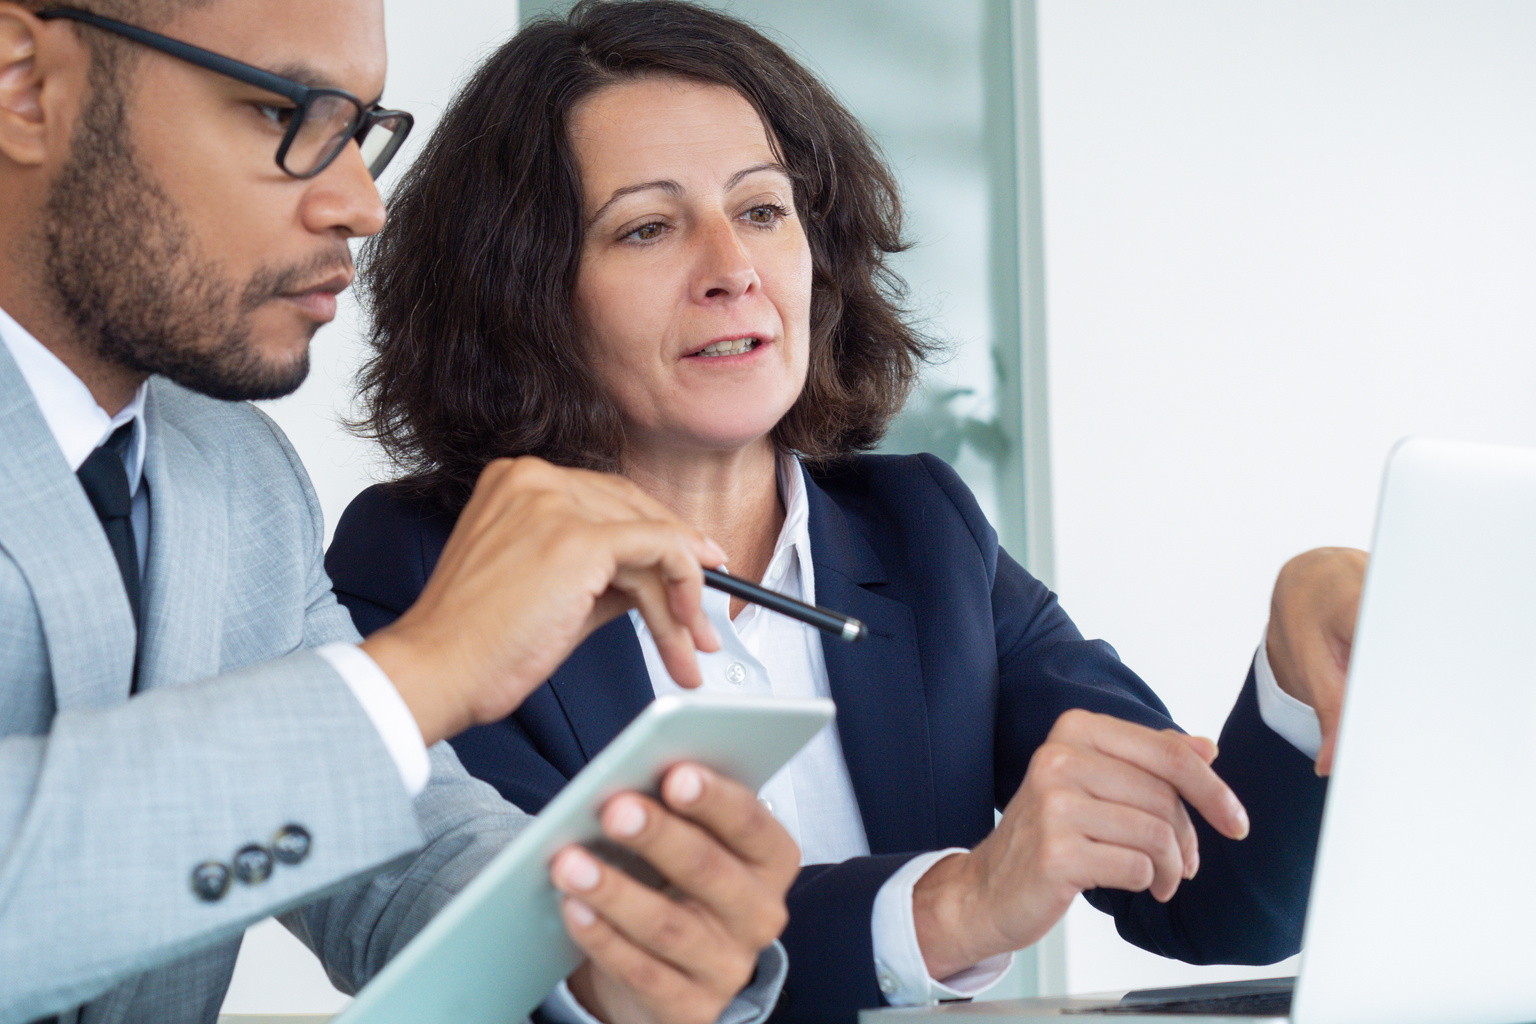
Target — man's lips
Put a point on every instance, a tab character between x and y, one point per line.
319	301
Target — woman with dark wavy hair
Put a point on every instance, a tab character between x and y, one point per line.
644	239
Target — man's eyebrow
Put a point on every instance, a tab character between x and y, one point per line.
306	75
672	188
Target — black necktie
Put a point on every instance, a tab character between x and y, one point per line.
106	483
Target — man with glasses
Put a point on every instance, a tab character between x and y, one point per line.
191	736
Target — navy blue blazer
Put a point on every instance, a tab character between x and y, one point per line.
969	663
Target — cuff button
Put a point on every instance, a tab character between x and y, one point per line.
291	844
210	881
253	864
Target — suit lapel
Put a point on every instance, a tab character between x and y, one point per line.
603	685
49	529
187	568
882	711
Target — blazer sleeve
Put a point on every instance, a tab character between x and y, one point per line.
104	817
1247	902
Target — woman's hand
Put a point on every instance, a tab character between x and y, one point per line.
677	957
1101	805
1312	631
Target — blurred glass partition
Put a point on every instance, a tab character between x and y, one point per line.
934	81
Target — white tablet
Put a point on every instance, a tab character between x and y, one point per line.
500	947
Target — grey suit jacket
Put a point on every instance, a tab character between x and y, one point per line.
107	804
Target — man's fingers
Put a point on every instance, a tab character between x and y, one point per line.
732	814
699	865
1167	758
675	641
632	918
659	986
658	570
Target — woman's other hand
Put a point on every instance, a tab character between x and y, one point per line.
1312	631
1102	805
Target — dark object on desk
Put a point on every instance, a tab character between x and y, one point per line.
1264	997
823	619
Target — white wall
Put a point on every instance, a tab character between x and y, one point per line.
431	46
1278	237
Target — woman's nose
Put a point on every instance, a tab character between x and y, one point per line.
724	267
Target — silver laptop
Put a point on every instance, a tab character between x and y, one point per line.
1423	903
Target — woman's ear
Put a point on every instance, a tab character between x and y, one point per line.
43	67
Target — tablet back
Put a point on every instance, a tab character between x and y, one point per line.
499	947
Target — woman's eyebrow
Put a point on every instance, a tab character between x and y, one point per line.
747	172
672	188
668	186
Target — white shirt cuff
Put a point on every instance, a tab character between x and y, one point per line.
1293	721
899	966
752	1004
386	709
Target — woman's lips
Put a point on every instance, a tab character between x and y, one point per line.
728	347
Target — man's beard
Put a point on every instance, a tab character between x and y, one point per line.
128	278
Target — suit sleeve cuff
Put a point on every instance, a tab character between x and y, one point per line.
386	709
1293	721
751	1006
899	966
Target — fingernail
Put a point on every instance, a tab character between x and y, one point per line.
1242	821
1192	866
685	785
626	818
719	551
579	913
576	870
713	634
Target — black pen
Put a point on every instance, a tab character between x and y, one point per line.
821	618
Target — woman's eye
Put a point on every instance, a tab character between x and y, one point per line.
766	214
646	232
279	116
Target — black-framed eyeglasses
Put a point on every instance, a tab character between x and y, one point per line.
319	124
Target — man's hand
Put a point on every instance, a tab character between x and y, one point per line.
540	557
1102	805
681	957
1312	631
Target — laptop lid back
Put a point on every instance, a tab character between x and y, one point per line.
1424	895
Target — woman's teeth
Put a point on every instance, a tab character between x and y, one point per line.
728	348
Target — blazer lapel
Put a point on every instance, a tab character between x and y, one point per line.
185	577
882	716
603	685
48	528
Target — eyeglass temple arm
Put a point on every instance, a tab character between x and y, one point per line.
248	73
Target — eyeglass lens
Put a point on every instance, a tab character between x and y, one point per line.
382	140
329	123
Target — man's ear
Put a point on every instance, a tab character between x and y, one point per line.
43	69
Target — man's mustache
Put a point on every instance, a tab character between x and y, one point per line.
270	283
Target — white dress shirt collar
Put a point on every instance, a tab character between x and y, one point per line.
77	423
